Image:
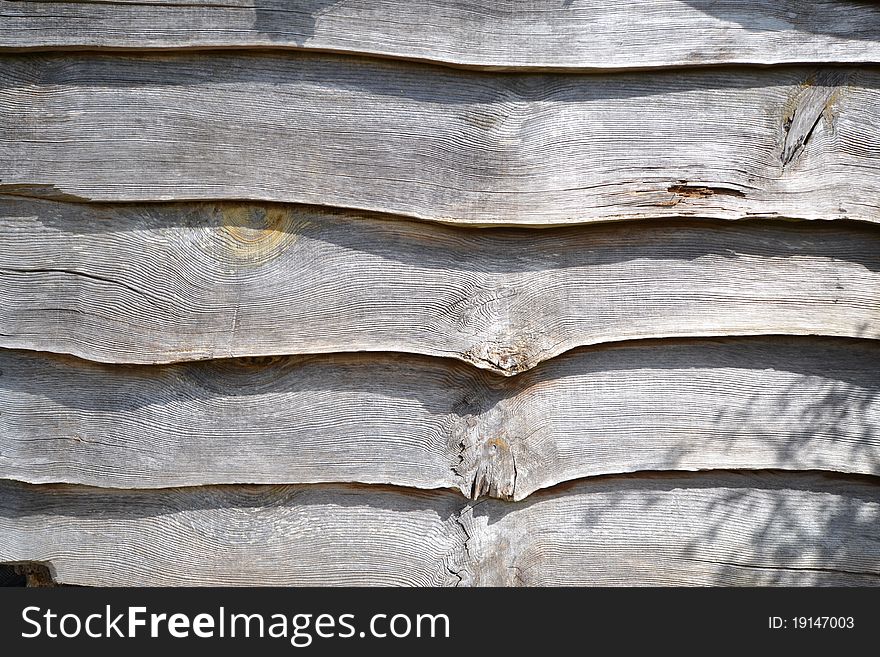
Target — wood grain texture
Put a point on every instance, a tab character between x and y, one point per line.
233	536
442	144
797	404
175	282
570	34
713	529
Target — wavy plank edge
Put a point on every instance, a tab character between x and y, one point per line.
719	528
213	276
488	35
689	405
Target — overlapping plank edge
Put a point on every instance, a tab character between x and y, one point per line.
156	283
502	34
439	144
702	529
748	403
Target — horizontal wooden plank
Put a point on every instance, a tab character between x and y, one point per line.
716	529
414	421
582	35
245	536
442	144
713	529
225	280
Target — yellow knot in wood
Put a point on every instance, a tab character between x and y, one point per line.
255	234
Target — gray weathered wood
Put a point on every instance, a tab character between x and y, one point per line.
712	529
746	403
579	35
168	282
233	536
441	144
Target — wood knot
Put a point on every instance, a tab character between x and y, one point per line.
495	473
508	360
255	234
804	111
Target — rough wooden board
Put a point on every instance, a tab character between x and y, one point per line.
291	420
236	536
716	528
173	282
414	421
573	35
710	529
441	144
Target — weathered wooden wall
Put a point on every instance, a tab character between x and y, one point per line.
440	292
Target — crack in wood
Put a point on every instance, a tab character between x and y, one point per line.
40	191
71	272
704	191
